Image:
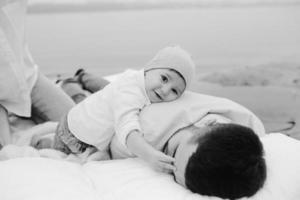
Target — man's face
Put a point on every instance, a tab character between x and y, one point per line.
163	85
181	146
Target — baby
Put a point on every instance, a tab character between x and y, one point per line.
115	109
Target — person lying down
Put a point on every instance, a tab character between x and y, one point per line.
213	157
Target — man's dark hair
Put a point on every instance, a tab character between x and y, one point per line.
228	163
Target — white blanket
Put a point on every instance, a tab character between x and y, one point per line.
131	179
44	178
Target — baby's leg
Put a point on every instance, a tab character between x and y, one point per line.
43	142
32	135
59	145
73	89
89	81
66	142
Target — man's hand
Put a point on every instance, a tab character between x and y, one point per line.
161	162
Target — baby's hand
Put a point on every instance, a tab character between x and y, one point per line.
161	162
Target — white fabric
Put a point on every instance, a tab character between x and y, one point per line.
15	151
18	71
131	179
161	120
174	58
114	109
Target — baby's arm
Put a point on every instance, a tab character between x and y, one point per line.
127	102
138	146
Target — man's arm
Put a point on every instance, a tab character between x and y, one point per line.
5	137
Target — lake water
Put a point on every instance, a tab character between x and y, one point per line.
218	38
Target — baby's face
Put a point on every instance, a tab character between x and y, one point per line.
163	85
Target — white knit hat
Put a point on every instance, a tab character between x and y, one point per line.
174	58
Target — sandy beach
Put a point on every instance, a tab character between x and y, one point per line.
271	92
250	55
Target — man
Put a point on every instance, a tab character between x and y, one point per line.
216	159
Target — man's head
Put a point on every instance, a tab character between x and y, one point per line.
224	160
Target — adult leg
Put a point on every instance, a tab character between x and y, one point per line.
49	102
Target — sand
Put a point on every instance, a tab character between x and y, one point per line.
270	91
